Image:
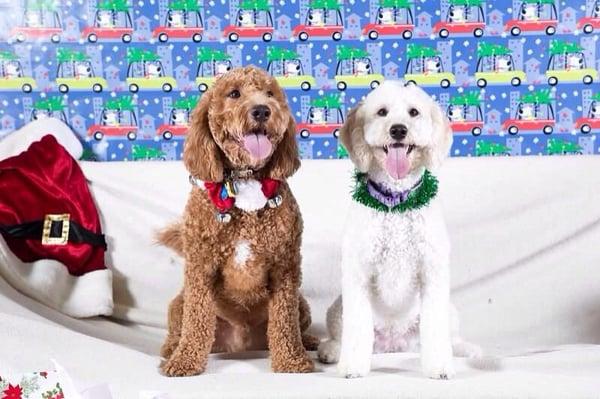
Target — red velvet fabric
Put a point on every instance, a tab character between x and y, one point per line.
43	180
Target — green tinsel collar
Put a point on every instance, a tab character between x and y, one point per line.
412	199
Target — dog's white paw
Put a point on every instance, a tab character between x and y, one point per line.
353	369
438	368
329	351
466	349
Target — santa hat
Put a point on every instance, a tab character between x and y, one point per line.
51	246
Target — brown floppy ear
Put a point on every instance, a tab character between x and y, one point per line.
285	161
201	155
352	137
442	137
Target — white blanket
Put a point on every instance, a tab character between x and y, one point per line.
525	280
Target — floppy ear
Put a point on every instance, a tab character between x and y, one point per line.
285	161
201	155
352	137
442	137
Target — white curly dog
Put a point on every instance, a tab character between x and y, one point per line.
395	252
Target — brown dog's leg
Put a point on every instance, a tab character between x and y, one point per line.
310	342
174	326
283	332
197	329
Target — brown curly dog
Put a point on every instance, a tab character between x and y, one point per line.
242	261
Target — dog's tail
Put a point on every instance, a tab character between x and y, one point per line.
171	237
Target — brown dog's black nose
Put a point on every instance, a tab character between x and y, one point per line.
398	132
260	113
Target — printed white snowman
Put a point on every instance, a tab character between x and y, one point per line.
386	17
432	65
105	19
456	113
317	116
530	12
595	111
221	68
361	68
177	19
574	62
527	112
180	117
247	19
82	71
33	19
12	70
111	117
457	14
153	71
292	68
503	65
317	17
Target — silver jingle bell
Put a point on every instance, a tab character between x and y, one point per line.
275	201
223	217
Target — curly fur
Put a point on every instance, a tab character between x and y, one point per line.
232	299
395	273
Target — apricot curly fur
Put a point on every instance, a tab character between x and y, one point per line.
224	307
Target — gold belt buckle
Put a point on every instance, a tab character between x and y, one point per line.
47	239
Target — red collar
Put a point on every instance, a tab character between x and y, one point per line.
224	201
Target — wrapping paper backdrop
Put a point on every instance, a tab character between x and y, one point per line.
522	75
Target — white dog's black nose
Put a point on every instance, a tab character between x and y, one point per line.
398	131
260	113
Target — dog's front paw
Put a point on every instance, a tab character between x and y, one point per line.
438	369
169	347
180	365
329	351
300	364
354	368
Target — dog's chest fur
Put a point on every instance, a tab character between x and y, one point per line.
393	249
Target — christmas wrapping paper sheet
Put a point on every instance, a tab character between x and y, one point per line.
514	77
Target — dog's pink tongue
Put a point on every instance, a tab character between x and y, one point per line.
396	162
258	145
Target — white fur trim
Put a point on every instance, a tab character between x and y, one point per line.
243	252
49	282
20	140
249	196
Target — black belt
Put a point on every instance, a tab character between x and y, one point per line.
54	232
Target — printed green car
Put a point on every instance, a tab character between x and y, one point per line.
304	82
487	148
27	85
442	79
92	83
556	146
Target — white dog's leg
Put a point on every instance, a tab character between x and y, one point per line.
436	347
357	320
461	348
329	350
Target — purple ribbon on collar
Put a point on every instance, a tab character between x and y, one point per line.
387	197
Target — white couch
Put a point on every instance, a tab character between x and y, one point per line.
526	252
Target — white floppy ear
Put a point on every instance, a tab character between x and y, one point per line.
352	137
442	137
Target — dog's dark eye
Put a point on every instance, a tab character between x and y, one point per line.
382	112
413	112
234	94
269	93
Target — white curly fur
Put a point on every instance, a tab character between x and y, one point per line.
395	272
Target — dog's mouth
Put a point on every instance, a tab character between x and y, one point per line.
257	143
409	147
397	162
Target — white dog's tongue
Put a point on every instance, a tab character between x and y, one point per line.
258	145
396	162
